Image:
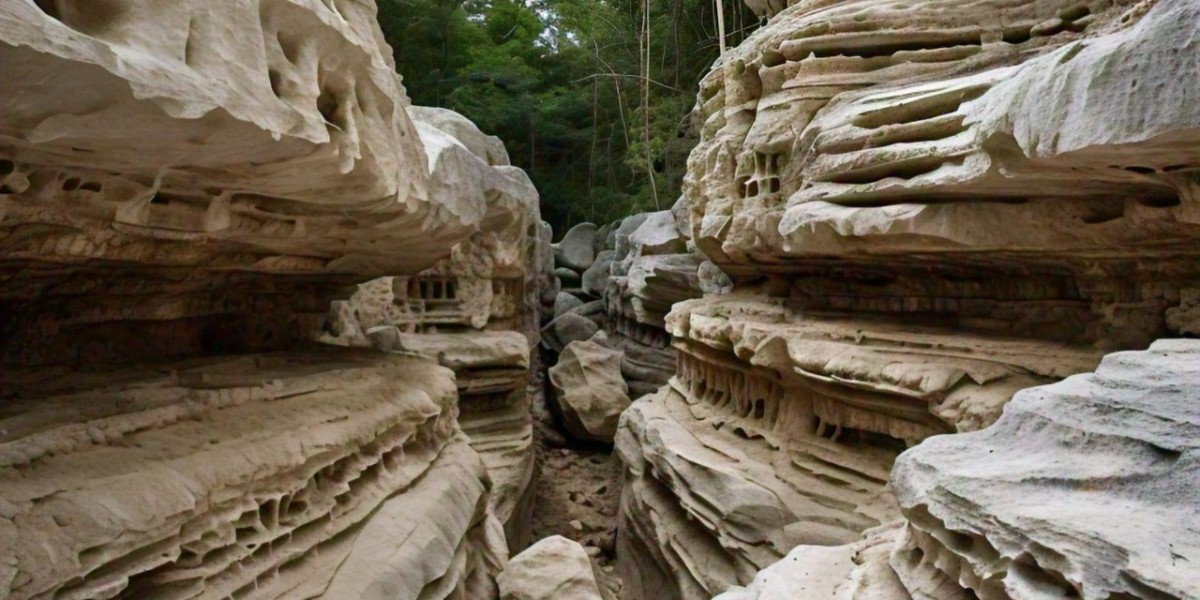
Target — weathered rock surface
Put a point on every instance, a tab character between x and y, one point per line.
923	211
555	568
224	190
589	389
254	477
1084	488
186	180
492	372
575	250
595	279
570	327
653	267
858	571
1027	507
565	303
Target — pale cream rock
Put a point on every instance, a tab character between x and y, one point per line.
555	568
1084	488
922	211
590	392
653	267
858	571
213	477
228	167
201	178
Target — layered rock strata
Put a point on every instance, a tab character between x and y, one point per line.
925	207
260	476
223	191
186	187
474	312
1025	508
652	265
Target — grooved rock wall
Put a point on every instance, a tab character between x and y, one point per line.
925	208
227	167
184	189
260	476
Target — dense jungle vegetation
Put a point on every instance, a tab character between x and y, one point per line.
591	97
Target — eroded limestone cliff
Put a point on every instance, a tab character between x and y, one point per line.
184	188
925	207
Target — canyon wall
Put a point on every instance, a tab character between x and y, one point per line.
184	189
925	208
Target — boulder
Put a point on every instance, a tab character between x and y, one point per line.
621	236
712	279
568	328
575	250
489	148
564	303
603	235
555	568
589	389
595	279
658	234
568	278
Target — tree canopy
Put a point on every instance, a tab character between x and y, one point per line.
591	97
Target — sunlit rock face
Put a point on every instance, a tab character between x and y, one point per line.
925	207
1025	508
184	188
1020	167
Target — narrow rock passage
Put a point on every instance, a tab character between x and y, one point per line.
577	494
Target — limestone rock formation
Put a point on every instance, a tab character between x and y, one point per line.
555	568
589	390
1084	488
653	267
1079	490
185	187
245	161
924	207
260	476
858	571
492	372
474	312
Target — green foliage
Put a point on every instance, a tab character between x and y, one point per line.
564	84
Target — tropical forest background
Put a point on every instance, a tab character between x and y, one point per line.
591	97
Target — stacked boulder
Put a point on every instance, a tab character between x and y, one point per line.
616	284
589	394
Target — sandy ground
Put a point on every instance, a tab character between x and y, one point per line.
577	494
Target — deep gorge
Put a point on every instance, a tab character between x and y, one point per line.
921	325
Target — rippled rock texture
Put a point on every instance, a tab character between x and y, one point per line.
474	311
925	207
1082	489
1086	488
184	188
653	266
259	476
